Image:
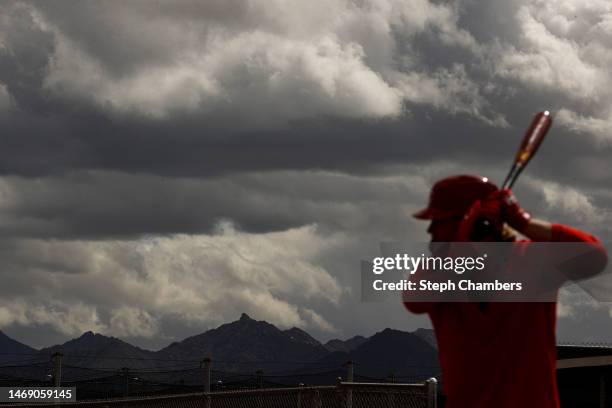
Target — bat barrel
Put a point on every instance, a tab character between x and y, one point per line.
531	142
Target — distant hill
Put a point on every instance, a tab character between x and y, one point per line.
247	345
402	354
300	336
13	351
345	345
18	360
93	350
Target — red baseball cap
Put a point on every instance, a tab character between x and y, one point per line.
453	196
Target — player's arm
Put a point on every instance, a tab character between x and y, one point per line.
543	231
538	230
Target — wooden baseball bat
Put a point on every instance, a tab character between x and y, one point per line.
529	146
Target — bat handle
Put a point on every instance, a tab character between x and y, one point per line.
512	176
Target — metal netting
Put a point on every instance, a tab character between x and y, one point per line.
384	395
344	395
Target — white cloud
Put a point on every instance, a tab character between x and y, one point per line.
451	90
267	62
547	61
70	318
599	128
194	279
573	204
316	320
132	322
565	48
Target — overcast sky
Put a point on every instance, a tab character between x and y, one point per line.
165	166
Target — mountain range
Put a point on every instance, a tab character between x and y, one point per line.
241	347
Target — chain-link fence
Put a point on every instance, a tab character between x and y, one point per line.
343	395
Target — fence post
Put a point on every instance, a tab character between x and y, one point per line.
432	392
205	366
349	371
391	395
126	373
299	396
259	402
56	358
349	379
340	393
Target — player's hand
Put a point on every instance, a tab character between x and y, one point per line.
511	211
492	209
482	221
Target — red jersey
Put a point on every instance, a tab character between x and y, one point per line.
503	356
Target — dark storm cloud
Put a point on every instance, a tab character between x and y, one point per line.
107	106
313	128
80	133
41	146
120	205
24	63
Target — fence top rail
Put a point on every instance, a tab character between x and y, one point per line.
273	390
381	385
